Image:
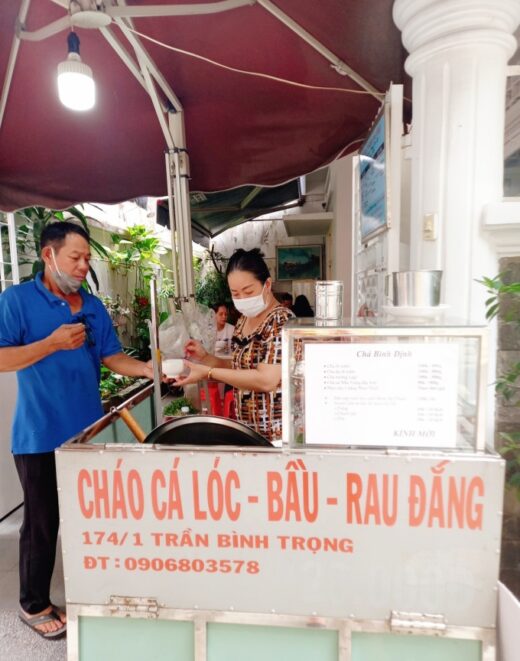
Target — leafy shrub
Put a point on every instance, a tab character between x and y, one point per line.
175	406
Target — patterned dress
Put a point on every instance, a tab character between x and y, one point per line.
260	410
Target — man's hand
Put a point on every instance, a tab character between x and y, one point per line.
148	370
128	366
64	338
67	337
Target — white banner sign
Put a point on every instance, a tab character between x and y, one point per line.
401	394
335	534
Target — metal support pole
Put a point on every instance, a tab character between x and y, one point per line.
3	284
177	161
172	217
156	354
12	259
13	251
183	226
183	288
337	64
182	202
13	55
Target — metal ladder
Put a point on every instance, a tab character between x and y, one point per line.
8	276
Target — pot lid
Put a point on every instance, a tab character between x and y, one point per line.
205	430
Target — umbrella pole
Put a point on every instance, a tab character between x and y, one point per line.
171	214
184	225
171	121
180	173
155	350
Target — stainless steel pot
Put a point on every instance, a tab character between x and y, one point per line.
205	430
416	288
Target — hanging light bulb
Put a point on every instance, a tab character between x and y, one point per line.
76	87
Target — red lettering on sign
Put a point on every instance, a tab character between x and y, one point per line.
294	498
445	501
377	504
171	507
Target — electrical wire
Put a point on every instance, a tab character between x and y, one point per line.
256	74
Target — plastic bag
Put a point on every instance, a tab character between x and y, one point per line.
173	336
196	322
201	324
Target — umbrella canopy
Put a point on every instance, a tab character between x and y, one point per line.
240	128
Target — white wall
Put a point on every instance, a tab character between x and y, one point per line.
10	490
508	620
340	237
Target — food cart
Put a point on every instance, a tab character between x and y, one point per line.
372	533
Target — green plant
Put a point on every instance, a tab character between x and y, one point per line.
115	308
498	289
111	383
167	288
211	287
510	450
504	299
28	236
175	406
138	250
501	293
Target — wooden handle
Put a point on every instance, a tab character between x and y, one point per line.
132	424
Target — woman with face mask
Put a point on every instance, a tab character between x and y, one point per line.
254	370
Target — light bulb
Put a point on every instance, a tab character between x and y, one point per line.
76	87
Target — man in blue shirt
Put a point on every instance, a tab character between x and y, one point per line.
54	335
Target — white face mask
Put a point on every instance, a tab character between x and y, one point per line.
252	305
66	283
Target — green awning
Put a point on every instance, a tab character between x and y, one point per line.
213	213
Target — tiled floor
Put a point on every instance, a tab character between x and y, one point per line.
17	642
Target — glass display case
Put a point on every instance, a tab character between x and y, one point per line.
369	385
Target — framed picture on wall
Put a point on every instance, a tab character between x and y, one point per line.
299	262
374	178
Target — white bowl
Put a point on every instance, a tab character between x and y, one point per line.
172	366
415	312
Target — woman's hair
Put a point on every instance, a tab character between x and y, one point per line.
220	304
251	261
302	307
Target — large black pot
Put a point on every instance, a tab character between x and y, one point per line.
205	430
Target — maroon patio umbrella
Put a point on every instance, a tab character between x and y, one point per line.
240	128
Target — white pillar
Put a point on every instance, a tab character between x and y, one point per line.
459	51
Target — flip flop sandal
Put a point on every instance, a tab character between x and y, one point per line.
33	621
59	612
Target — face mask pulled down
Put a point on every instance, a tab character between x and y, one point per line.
66	283
251	306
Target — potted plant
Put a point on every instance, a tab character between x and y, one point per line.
174	408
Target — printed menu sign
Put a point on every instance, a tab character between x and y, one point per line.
260	532
401	394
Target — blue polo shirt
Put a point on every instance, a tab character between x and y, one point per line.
59	395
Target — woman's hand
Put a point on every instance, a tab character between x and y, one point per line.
194	350
197	373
